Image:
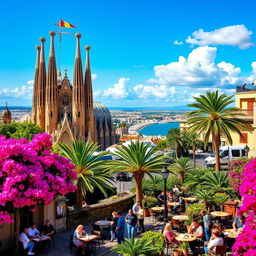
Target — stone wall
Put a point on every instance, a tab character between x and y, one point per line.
98	211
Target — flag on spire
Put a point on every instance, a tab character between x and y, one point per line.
65	24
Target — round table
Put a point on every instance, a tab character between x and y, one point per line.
185	238
220	214
191	199
231	233
180	217
157	209
102	223
173	204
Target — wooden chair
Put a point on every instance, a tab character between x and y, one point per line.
152	214
168	245
220	250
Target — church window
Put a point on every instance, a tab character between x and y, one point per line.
51	113
78	114
65	99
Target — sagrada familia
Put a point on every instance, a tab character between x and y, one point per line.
66	111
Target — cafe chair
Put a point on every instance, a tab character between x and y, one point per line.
22	251
152	214
96	242
220	250
73	247
169	245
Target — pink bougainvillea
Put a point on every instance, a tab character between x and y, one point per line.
246	242
30	174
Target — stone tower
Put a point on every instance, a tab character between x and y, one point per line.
35	91
89	118
78	100
51	100
40	112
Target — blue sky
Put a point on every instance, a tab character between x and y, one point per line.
144	53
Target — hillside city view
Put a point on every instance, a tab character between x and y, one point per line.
128	128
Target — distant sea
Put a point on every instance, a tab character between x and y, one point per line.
158	129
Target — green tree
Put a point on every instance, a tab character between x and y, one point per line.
161	145
193	142
175	139
20	130
137	158
181	166
195	177
134	247
213	117
89	167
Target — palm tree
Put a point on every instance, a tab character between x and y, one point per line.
193	142
204	195
89	168
175	138
134	247
137	158
213	117
182	165
217	182
194	178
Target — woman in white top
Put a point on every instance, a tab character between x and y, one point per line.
78	233
214	241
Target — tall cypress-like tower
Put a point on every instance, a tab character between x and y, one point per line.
89	119
40	115
78	100
35	91
51	100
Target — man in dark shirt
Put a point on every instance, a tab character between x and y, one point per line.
131	220
48	229
160	199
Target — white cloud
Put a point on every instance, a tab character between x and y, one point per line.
236	35
119	90
22	91
94	77
159	92
176	42
198	70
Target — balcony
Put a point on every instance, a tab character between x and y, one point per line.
248	114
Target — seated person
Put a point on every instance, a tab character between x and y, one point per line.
214	241
33	232
180	207
170	196
197	230
160	199
48	229
78	233
169	234
27	243
238	222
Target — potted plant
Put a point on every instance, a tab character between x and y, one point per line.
156	240
184	248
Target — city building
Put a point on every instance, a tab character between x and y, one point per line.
65	110
6	116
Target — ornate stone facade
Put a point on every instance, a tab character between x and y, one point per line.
6	116
65	110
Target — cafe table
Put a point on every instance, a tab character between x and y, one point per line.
89	238
157	209
41	238
191	199
180	217
185	238
102	223
220	214
173	204
231	233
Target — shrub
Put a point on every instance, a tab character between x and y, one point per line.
193	210
156	239
150	202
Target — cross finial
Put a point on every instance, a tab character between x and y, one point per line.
6	105
66	73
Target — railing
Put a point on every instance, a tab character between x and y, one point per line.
247	112
246	88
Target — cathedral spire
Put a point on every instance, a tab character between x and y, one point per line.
35	90
89	97
40	120
51	100
78	101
